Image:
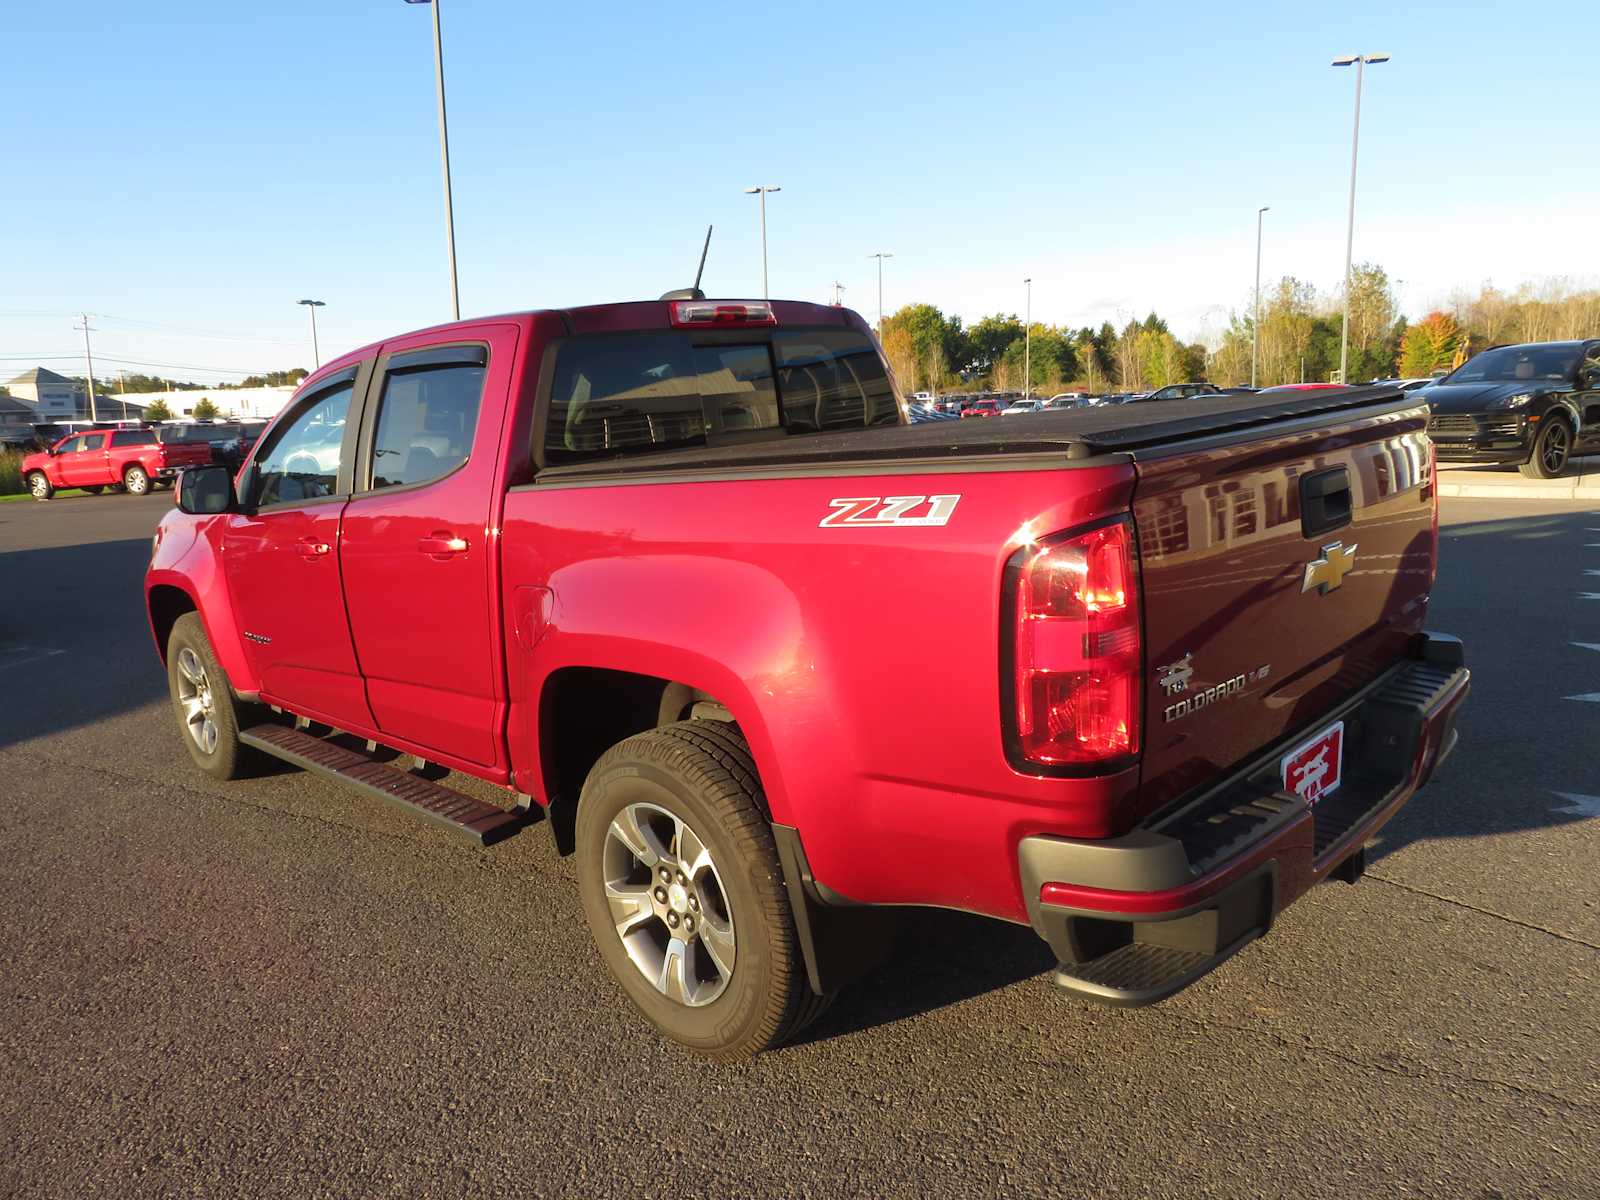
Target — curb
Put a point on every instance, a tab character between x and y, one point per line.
1585	485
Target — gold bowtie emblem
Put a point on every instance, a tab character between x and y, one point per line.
1327	573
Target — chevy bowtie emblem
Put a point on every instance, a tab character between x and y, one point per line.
1327	573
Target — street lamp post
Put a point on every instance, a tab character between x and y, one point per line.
316	352
880	256
444	156
1255	349
762	191
1360	61
1027	341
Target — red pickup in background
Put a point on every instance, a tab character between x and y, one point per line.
132	459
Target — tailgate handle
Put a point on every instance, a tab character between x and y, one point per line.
1324	501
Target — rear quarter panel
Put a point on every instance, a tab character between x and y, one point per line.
861	662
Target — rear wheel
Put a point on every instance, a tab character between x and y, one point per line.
204	704
39	487
1551	449
135	480
683	892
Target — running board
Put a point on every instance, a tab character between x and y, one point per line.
483	823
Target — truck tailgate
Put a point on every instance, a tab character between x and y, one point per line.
1280	573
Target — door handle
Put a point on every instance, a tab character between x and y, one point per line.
441	543
311	548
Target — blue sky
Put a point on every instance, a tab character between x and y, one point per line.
188	170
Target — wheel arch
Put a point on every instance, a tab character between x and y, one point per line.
199	588
585	709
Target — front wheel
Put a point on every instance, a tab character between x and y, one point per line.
39	487
135	481
1551	449
683	892
204	704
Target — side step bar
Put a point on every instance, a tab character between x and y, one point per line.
483	823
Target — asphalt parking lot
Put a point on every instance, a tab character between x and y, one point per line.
279	988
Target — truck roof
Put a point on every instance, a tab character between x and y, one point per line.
611	317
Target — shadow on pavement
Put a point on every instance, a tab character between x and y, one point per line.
74	644
1513	590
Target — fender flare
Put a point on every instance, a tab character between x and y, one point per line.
197	574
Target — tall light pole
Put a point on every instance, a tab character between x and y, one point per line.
838	297
1027	341
1360	61
316	352
88	363
880	256
762	191
1255	349
444	156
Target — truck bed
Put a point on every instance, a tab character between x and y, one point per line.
1077	434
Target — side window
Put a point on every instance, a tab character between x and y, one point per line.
832	381
303	462
612	395
71	445
1591	366
426	420
131	437
94	441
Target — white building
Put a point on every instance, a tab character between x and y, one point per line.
231	402
53	397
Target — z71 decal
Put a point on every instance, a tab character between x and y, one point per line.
890	510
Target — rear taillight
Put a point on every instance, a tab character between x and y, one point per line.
700	314
1075	660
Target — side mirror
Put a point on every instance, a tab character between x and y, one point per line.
205	491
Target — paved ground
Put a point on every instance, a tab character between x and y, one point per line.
275	988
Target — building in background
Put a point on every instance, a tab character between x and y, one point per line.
53	397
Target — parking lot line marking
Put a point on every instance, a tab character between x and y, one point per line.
1591	697
1589	595
22	662
1581	806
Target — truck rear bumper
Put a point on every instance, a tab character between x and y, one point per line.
1136	918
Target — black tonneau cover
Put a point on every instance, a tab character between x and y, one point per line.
1076	433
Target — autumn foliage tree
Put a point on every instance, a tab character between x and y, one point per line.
1430	345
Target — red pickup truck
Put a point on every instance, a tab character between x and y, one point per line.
777	662
131	458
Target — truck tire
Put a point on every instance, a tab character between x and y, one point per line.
39	487
135	481
207	712
683	892
1551	449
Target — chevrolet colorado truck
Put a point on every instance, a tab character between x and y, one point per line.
662	569
132	459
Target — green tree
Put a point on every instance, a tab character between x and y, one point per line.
1051	357
988	340
204	410
157	410
1430	345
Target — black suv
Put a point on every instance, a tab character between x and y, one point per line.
1533	406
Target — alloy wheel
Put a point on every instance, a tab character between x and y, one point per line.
1554	451
668	905
197	701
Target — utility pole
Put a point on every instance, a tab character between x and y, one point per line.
88	363
1359	61
880	256
1027	342
1255	349
316	352
838	290
444	158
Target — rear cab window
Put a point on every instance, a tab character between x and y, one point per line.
615	395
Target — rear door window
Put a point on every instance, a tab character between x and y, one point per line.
132	437
426	420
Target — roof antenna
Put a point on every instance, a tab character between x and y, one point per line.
694	293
